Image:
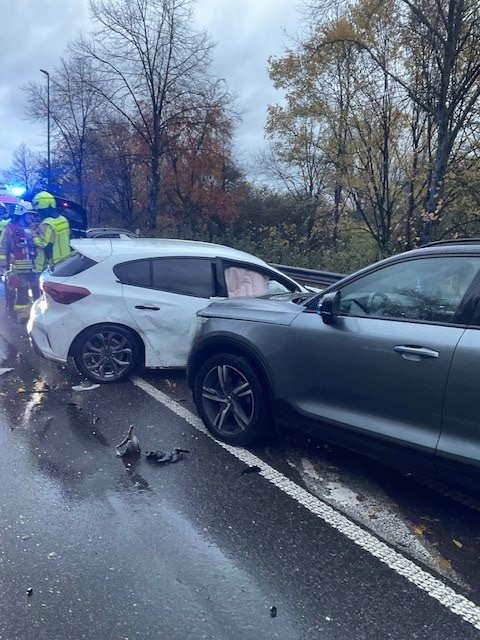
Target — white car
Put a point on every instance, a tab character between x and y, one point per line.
115	305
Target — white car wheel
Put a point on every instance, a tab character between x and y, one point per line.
106	353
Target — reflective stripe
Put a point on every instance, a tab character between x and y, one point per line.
61	244
22	266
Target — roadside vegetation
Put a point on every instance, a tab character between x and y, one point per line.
373	150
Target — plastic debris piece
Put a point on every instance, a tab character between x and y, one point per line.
5	370
419	529
129	445
253	469
85	386
162	457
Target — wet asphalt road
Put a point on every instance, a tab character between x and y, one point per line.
93	548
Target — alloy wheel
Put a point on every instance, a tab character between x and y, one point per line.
107	355
228	400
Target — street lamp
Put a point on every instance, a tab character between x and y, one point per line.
49	175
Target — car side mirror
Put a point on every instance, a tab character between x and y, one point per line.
330	307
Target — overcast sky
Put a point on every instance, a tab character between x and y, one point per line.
35	34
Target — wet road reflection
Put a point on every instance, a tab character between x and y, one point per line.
97	546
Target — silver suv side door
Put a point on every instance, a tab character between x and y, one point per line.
381	370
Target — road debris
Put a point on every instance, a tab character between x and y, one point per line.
273	612
29	591
129	447
253	469
85	386
5	370
162	457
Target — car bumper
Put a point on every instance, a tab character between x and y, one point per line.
40	339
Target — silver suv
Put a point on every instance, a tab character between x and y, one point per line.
385	362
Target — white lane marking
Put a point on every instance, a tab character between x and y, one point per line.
445	595
368	506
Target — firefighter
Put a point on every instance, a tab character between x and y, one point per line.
18	248
4	220
52	237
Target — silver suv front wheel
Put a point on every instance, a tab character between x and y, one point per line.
230	400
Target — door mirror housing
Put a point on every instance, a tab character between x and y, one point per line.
330	307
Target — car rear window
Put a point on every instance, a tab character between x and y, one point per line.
136	272
76	263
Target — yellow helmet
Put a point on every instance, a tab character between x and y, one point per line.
43	200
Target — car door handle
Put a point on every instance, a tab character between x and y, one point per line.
414	350
144	306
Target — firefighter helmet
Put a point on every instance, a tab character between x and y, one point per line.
43	200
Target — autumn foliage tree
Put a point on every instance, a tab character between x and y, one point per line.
152	70
200	179
398	123
141	129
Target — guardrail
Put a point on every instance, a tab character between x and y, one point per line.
309	276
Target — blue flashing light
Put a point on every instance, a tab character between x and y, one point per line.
16	190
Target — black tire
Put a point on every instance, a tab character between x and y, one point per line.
230	400
106	353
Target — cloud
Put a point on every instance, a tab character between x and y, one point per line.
246	35
34	36
36	33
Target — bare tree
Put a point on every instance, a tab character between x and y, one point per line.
74	109
449	30
442	40
25	168
151	68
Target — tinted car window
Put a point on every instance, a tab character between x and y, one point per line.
136	272
429	289
186	276
76	263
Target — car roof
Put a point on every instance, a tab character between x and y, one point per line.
99	232
101	248
464	246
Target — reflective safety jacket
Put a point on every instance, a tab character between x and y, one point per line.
16	246
53	241
3	226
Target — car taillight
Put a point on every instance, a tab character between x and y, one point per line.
64	293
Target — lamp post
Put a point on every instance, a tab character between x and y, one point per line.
49	175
